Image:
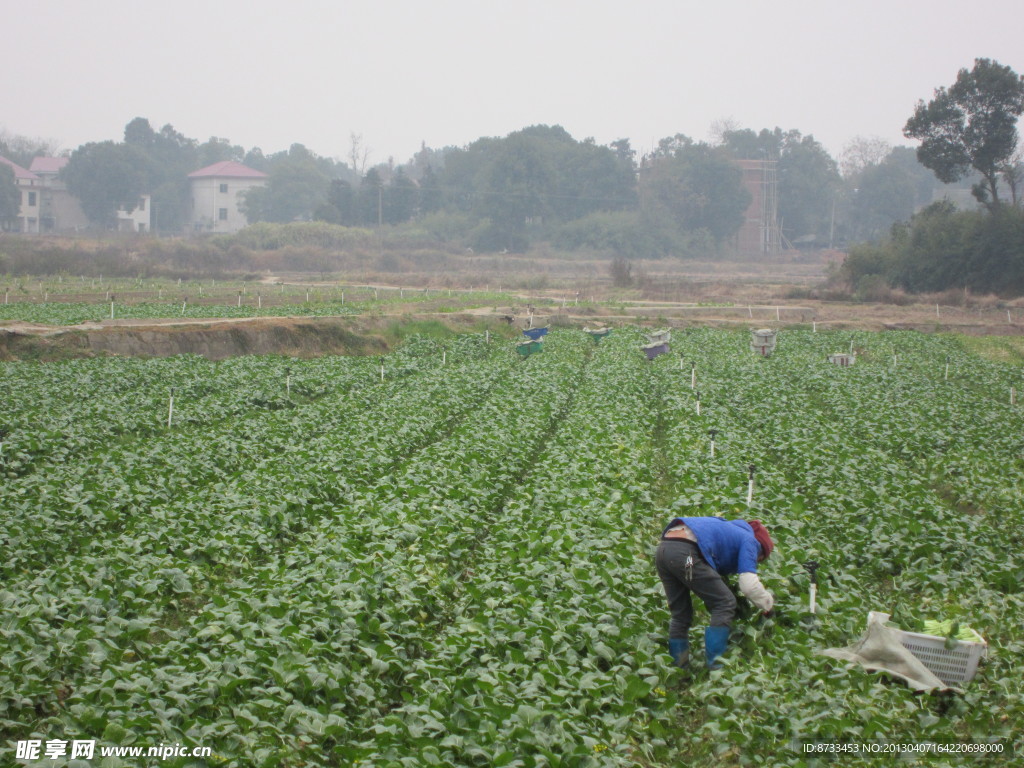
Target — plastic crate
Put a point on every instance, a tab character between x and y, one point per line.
527	348
654	349
952	666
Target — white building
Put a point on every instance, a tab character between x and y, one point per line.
138	219
59	211
217	196
31	187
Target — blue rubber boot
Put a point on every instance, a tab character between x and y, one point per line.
715	640
679	649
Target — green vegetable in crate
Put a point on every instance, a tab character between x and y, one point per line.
951	629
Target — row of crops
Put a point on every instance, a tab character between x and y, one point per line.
69	304
311	566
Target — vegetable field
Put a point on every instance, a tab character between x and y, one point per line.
445	556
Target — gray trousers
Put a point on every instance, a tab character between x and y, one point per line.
683	569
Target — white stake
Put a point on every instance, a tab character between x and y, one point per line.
307	297
750	312
777	315
750	486
111	310
343	298
183	307
487	337
170	409
444	357
1008	318
382	371
937	310
259	301
814	323
693	376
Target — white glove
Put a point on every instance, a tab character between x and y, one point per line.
755	592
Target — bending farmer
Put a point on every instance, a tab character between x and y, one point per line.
694	554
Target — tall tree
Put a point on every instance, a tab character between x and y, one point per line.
10	195
972	124
169	158
400	204
862	152
105	175
296	189
370	198
696	187
340	205
431	197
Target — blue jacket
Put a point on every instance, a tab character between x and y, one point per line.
729	546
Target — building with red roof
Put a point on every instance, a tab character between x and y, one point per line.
30	187
218	193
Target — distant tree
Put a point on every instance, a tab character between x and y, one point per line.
340	205
809	182
10	195
972	124
400	203
104	176
217	150
431	198
370	198
862	152
514	190
696	187
296	188
882	193
22	149
808	177
624	153
621	271
256	160
358	154
169	158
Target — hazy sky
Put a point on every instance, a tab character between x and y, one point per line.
445	72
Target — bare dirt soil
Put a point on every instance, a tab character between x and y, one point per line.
535	290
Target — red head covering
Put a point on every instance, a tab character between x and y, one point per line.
761	534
